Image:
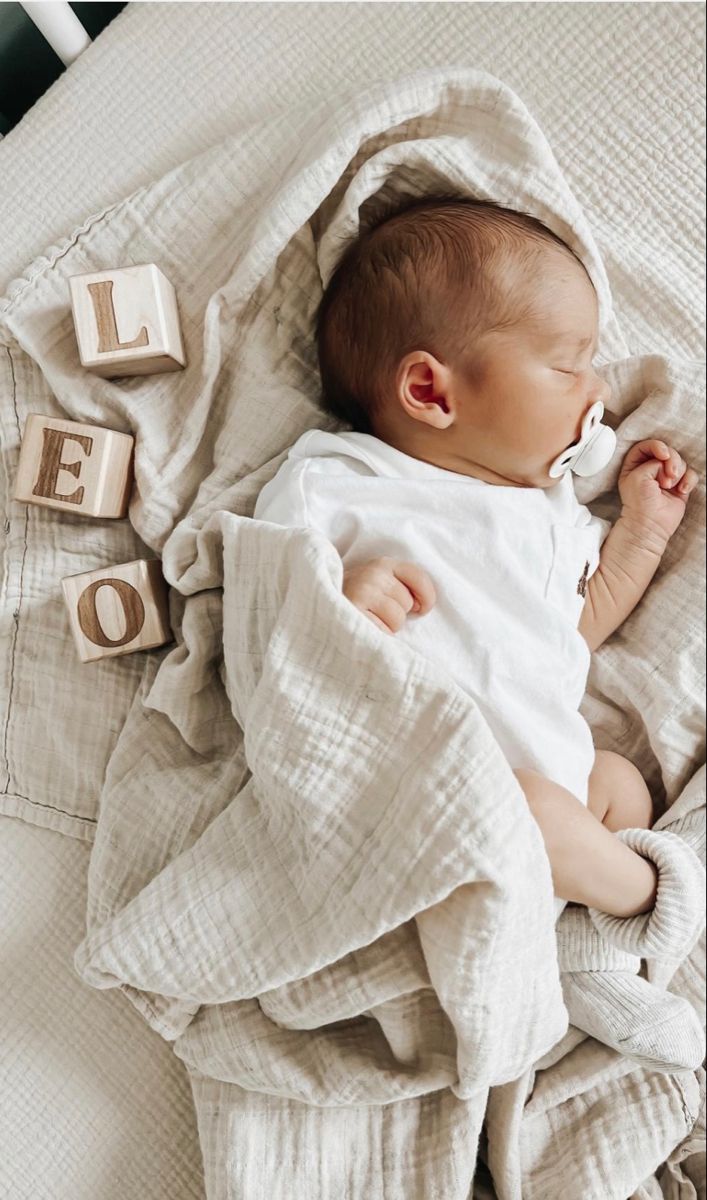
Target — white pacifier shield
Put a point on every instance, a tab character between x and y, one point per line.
593	450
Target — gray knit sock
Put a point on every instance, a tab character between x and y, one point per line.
656	1028
606	998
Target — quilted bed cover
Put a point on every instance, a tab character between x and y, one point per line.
124	781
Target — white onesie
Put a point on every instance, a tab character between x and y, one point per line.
510	567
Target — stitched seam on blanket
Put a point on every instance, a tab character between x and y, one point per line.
690	1118
42	806
16	613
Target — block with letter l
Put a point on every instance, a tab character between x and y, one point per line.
118	609
126	321
79	468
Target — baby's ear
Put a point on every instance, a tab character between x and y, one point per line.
423	389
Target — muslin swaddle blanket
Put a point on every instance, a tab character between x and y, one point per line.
313	869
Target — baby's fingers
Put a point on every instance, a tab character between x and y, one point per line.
377	621
387	613
650	450
673	469
689	480
417	581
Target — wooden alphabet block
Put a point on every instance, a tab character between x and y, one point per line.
79	468
127	321
119	609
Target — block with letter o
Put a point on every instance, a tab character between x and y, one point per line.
118	609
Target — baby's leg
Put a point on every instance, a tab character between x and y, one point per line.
618	795
589	864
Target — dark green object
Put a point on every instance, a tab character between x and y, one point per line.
95	17
28	65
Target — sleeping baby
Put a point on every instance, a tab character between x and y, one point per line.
456	339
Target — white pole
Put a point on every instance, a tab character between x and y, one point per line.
60	26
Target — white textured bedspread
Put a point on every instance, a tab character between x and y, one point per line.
312	868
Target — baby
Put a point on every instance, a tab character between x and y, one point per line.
456	338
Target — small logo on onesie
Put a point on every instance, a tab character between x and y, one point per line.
582	583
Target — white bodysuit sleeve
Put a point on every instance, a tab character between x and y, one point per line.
602	527
310	493
282	500
587	520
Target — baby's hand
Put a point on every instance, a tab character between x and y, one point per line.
654	485
386	590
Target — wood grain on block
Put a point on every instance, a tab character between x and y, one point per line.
127	321
79	468
118	609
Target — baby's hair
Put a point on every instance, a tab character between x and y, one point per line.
431	275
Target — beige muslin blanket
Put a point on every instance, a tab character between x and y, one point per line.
313	869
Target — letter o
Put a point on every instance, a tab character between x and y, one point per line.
133	610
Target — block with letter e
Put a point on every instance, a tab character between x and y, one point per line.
79	468
127	322
119	609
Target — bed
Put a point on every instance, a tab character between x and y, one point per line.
95	1104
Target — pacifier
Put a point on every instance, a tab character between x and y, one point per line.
593	451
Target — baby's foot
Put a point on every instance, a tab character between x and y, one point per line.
656	1028
606	998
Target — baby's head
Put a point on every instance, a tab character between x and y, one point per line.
462	333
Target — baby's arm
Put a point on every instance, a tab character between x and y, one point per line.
654	485
386	590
